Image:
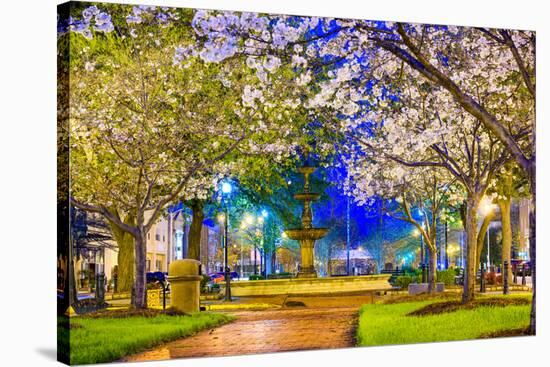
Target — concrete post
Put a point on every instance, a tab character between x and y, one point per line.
184	279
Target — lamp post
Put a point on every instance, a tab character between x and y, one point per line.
226	191
260	233
422	252
488	247
261	220
486	208
242	263
446	246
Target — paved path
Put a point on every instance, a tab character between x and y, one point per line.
273	330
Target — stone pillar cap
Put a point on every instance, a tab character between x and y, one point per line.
183	267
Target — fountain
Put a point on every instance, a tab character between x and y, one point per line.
306	234
306	282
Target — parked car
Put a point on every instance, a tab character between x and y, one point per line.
519	266
219	277
155	276
234	275
216	278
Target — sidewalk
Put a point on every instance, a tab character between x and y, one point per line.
267	331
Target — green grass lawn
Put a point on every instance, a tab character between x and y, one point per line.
106	339
383	324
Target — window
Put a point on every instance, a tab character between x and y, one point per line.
148	265
148	235
163	238
157	237
159	265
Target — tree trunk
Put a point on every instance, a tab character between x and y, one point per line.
126	255
70	280
139	296
126	266
532	250
504	205
481	235
273	260
195	230
432	269
470	226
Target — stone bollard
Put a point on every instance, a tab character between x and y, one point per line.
185	280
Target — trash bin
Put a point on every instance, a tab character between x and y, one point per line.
185	280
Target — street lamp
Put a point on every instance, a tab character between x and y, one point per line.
261	221
486	207
226	188
248	221
226	191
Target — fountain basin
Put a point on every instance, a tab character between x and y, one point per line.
306	233
312	286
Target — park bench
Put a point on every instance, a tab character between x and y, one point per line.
394	273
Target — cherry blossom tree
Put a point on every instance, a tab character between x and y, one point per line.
508	184
489	74
152	123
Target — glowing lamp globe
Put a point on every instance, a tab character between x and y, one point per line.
226	188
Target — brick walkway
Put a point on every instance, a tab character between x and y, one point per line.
285	329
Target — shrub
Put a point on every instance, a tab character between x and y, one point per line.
284	275
493	278
446	276
413	272
404	281
255	277
204	281
154	285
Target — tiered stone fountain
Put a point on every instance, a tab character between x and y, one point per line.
307	281
307	234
